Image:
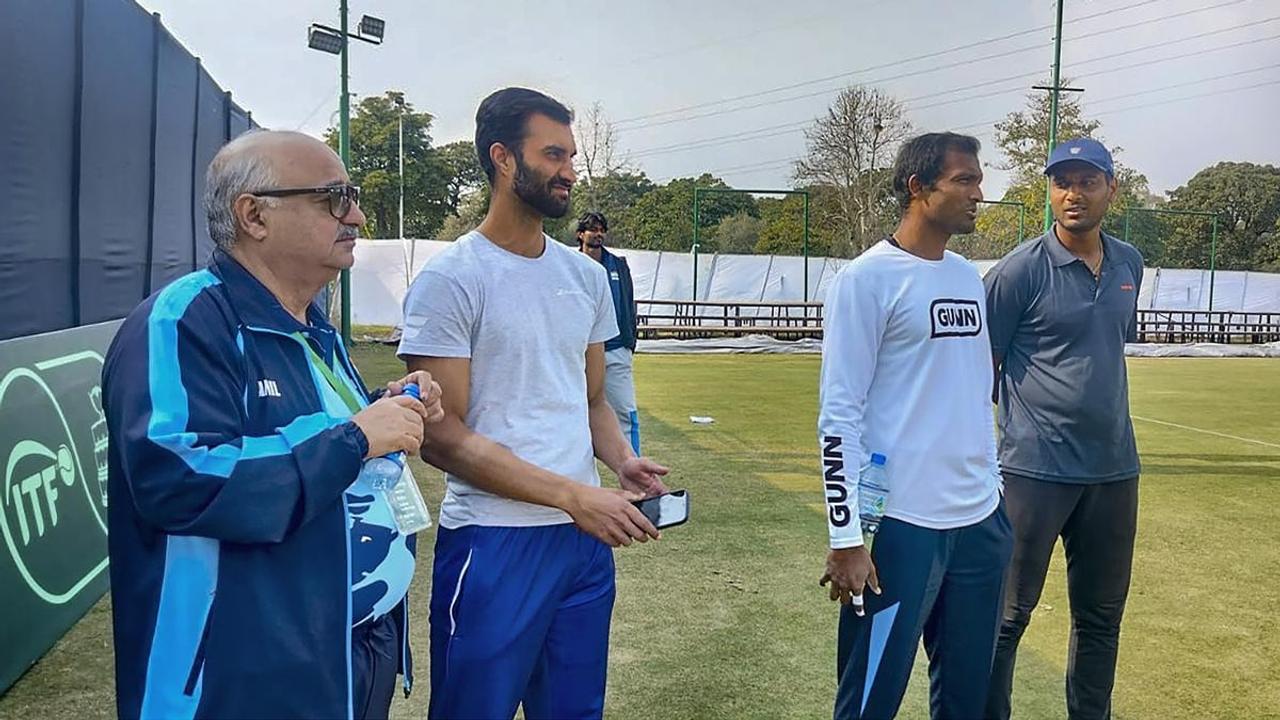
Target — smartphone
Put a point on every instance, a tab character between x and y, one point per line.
667	510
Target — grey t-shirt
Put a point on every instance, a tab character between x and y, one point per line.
1063	387
525	323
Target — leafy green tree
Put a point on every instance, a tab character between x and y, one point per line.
374	167
1246	197
471	210
463	174
1269	255
663	218
997	230
738	233
615	195
783	233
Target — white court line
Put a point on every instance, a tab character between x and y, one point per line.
1208	432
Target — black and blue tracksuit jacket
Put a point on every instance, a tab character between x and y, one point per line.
231	559
624	300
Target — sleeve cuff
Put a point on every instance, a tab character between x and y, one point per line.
845	543
433	350
357	435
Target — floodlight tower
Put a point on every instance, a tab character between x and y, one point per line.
334	41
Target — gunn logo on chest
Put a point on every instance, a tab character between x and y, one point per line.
954	318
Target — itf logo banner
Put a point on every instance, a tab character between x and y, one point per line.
53	489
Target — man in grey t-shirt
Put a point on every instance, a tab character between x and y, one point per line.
512	325
1060	309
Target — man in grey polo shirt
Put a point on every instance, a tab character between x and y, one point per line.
1060	309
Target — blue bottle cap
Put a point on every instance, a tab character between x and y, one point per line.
412	391
877	459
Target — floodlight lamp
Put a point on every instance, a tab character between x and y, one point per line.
372	26
324	40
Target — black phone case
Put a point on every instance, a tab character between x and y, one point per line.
649	508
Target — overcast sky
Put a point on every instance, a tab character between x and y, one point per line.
1178	84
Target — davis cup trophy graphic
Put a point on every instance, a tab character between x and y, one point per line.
99	432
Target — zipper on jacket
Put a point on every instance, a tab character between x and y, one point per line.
404	650
197	663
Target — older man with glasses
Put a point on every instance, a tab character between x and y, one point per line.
254	572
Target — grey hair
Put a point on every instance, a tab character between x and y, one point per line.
238	168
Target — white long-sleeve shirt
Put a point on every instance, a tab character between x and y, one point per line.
906	372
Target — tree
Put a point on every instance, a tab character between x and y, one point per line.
1269	255
996	232
471	210
850	151
598	154
663	218
615	196
374	166
1023	136
783	233
463	174
1023	139
738	233
1246	198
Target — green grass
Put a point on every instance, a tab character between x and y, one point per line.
724	618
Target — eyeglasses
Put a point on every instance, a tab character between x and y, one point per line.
341	197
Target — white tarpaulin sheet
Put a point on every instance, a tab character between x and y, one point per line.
379	280
736	276
1232	290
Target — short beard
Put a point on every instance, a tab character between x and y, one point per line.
966	227
536	193
1081	226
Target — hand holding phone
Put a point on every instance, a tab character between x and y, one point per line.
666	510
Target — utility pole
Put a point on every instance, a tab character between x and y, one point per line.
1054	90
400	118
344	152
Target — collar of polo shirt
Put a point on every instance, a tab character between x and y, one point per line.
1062	256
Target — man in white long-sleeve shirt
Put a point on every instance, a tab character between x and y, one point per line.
906	373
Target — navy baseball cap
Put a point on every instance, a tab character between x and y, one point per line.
1085	150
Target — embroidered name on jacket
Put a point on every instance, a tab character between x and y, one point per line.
268	388
954	318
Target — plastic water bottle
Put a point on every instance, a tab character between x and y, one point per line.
387	474
873	494
382	473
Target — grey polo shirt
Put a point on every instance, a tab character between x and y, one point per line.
1063	389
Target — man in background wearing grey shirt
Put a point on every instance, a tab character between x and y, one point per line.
1060	309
